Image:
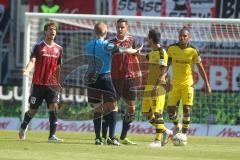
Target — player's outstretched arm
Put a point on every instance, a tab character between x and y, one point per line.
29	67
131	50
117	49
204	76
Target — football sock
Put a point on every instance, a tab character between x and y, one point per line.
53	123
151	120
159	124
112	120
158	136
186	119
104	127
26	120
125	128
97	124
127	120
173	115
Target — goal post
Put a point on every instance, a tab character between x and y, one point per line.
26	53
217	40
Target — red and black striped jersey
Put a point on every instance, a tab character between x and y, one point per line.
124	64
48	59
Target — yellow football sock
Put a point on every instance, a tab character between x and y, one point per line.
158	136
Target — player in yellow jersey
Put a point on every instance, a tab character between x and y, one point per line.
154	94
182	56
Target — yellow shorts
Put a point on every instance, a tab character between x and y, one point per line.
153	104
181	92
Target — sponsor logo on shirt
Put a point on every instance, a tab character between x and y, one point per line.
182	61
50	55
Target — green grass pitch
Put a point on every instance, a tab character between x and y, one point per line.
79	146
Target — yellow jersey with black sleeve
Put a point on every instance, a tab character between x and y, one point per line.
182	63
149	103
154	61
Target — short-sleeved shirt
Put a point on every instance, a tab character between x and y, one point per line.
102	62
183	61
48	59
103	86
124	65
154	61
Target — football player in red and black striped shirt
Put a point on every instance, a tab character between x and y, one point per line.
45	59
125	73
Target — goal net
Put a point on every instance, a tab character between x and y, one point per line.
216	39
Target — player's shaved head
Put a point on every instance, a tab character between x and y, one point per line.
184	37
100	29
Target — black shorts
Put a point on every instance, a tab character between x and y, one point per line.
39	93
125	88
102	89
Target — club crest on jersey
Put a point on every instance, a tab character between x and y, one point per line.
55	50
44	50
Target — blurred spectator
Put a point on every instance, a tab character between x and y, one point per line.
49	6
